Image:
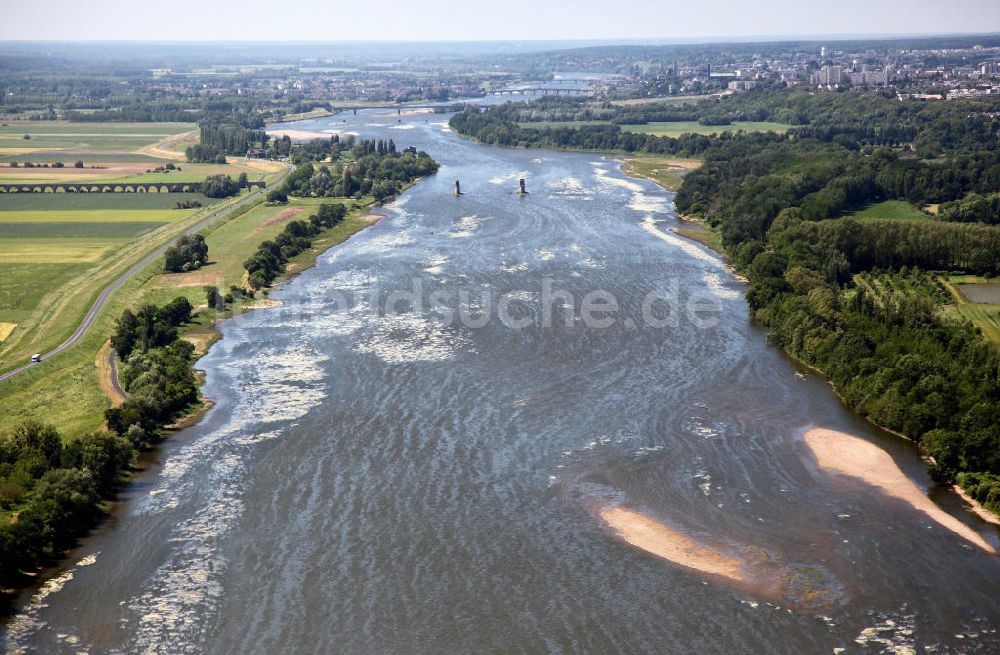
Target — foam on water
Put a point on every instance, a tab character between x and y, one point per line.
406	338
508	177
466	226
28	620
607	179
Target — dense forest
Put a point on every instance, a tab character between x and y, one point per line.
232	135
898	358
781	203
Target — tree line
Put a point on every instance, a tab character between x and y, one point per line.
271	256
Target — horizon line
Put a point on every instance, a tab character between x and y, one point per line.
649	40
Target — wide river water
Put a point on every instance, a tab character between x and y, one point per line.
379	481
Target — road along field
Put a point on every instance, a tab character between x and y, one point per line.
57	250
54	262
67	392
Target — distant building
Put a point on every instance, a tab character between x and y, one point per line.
741	85
828	76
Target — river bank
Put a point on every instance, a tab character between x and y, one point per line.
974	506
202	333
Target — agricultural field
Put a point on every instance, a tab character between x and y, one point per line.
48	255
110	152
887	287
95	201
898	210
92	143
119	173
978	300
230	243
677	128
67	392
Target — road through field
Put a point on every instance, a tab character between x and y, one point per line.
102	299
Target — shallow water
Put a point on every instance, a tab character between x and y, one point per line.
374	483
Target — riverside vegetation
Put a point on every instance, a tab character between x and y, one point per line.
53	489
779	203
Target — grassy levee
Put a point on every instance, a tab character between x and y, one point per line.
61	309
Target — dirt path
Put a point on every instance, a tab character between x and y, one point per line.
107	375
163	150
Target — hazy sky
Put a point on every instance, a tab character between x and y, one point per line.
461	20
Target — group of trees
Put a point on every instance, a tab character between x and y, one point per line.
497	125
220	186
271	256
200	153
156	372
189	252
233	137
972	208
55	488
372	168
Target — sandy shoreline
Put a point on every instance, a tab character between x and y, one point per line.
853	457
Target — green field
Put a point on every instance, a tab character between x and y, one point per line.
80	139
677	128
230	243
54	262
541	125
95	201
891	209
58	250
65	391
93	216
985	316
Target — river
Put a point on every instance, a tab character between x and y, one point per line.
375	479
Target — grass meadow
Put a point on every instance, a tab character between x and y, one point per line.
981	306
891	209
677	128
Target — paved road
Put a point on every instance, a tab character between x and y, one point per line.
102	299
